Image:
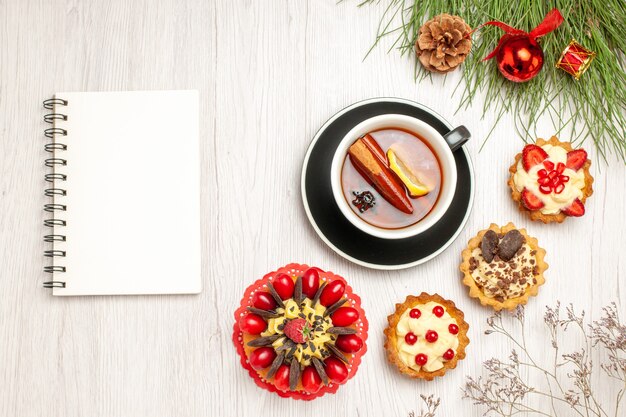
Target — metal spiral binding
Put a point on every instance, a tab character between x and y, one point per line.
54	191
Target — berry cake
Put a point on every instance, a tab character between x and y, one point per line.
300	332
503	266
426	336
551	181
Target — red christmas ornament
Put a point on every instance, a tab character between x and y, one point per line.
519	58
518	53
575	59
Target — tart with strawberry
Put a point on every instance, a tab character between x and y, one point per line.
300	332
551	181
427	336
503	267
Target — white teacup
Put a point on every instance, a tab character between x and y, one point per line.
442	147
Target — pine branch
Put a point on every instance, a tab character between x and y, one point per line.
593	108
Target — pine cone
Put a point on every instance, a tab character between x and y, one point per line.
443	43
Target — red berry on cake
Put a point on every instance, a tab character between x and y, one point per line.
332	293
283	284
349	343
533	155
410	338
336	369
263	300
262	357
577	209
421	359
310	282
576	159
311	381
530	200
432	336
281	378
448	355
415	313
344	316
252	323
298	330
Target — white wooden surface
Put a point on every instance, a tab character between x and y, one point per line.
269	74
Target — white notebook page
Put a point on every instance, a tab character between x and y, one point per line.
133	193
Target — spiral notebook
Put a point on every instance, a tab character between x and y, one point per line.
124	193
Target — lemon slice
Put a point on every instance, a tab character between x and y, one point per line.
410	180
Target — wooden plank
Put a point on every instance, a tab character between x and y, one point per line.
269	74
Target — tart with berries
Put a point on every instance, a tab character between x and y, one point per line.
503	267
300	332
551	181
427	335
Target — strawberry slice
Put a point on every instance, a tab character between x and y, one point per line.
576	159
533	155
577	209
531	201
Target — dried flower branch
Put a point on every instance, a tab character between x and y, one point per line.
505	392
431	406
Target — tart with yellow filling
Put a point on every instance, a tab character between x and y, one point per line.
503	266
550	180
300	332
427	336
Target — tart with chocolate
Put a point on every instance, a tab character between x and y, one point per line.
550	180
300	332
503	266
427	336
